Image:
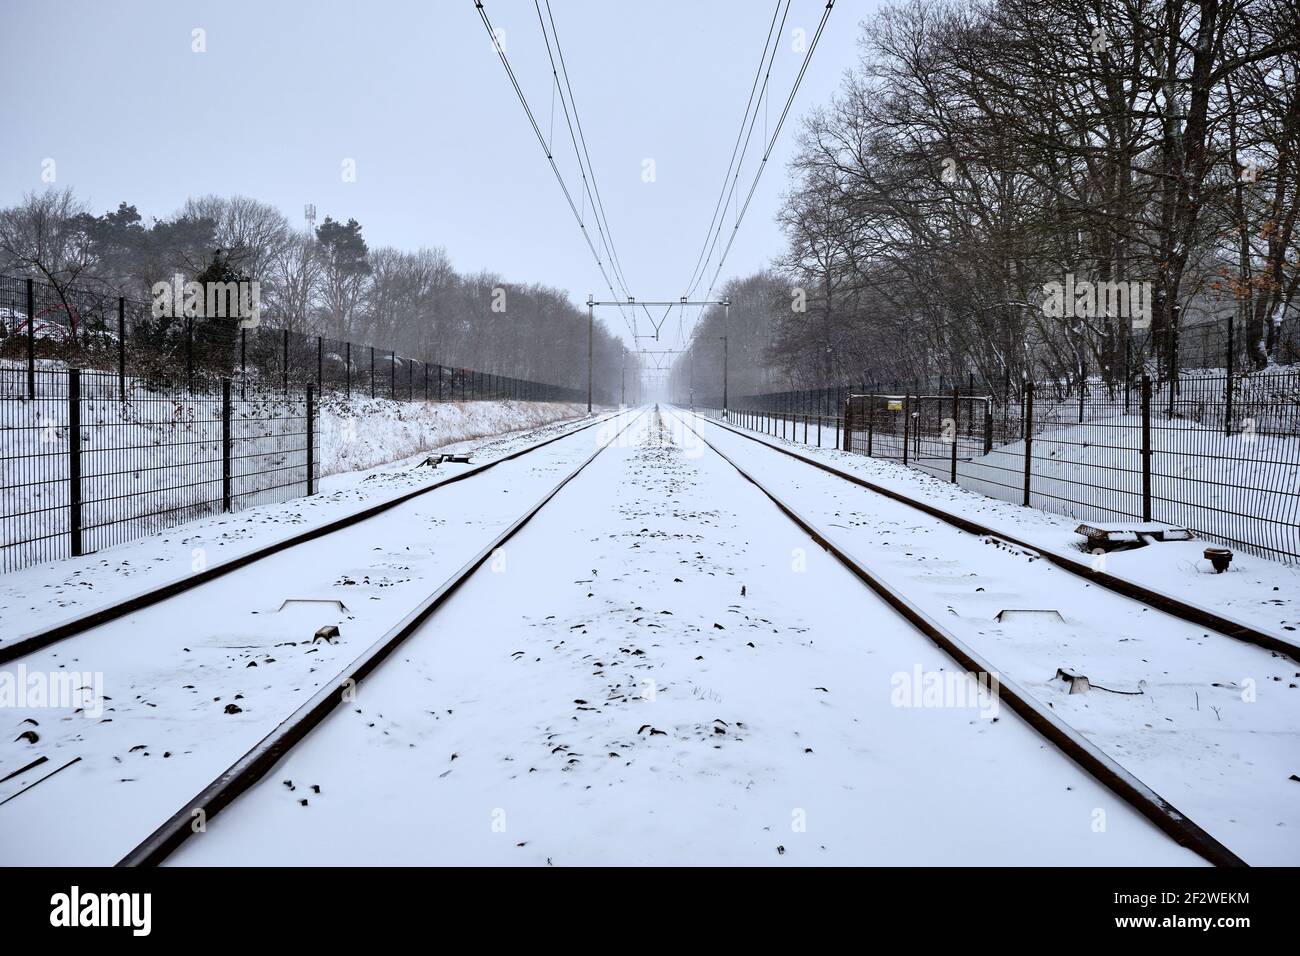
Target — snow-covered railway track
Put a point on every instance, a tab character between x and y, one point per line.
341	688
36	640
1061	735
1088	570
656	593
177	690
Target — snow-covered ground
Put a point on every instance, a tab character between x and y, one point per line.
38	597
361	433
1262	593
190	684
154	461
1211	723
659	669
1242	489
648	676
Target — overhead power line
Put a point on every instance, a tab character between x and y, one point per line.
590	183
747	125
701	262
776	132
541	139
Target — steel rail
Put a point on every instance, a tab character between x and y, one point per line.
35	641
1175	607
1083	752
257	762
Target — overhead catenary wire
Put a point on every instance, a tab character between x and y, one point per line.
598	201
541	139
701	262
776	132
771	142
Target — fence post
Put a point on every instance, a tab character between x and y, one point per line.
31	340
225	444
988	424
1029	436
1227	416
74	460
871	423
121	346
1146	447
311	443
907	423
1083	387
956	412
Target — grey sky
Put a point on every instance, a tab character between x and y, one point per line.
413	92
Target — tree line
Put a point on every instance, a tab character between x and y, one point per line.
980	151
328	281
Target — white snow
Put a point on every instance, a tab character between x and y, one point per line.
647	679
1211	723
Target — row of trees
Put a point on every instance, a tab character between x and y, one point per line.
329	282
981	150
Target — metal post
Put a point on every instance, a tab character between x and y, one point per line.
311	443
956	411
225	444
1083	386
74	460
1227	415
31	340
988	424
1029	436
1146	447
907	422
591	310
871	422
121	346
726	328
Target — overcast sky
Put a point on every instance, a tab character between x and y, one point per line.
412	91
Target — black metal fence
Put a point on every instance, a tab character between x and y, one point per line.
42	325
88	461
1217	454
